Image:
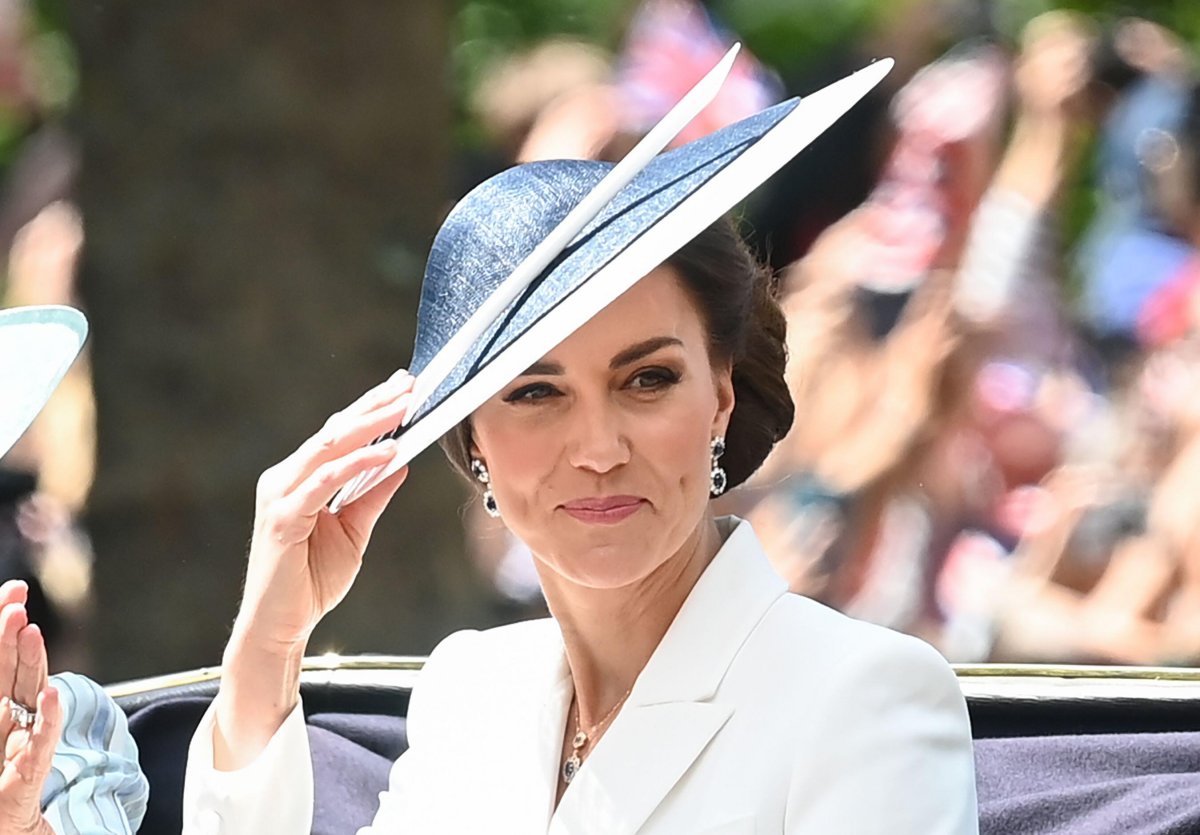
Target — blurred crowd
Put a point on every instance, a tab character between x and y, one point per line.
998	439
997	445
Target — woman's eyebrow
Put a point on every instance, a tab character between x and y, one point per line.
635	352
542	369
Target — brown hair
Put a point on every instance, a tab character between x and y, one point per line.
737	300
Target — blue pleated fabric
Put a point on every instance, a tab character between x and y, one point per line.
95	785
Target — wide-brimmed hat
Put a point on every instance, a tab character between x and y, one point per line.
37	346
495	228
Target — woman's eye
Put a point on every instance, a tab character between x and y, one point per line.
653	378
531	393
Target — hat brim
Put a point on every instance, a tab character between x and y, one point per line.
37	346
753	150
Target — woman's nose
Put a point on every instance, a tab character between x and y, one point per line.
597	441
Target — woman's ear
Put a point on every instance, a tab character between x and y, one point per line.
723	381
466	439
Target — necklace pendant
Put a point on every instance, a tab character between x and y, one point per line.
579	741
571	767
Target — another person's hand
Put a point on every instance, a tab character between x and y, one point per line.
24	689
1054	66
1152	48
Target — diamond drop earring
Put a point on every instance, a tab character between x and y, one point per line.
719	480
480	471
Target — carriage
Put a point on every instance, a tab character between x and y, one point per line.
1061	749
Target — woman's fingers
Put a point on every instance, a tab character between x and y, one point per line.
34	757
359	517
342	433
399	383
32	675
14	591
294	513
315	492
34	761
13	618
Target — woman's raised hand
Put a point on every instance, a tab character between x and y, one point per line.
303	558
24	688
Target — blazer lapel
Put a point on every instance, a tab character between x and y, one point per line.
520	736
672	714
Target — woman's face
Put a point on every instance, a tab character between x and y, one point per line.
599	453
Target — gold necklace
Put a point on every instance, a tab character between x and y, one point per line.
580	740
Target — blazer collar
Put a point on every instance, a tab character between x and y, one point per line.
724	606
669	716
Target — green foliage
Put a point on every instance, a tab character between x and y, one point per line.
1180	16
50	75
782	33
487	30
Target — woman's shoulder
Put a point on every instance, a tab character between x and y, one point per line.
520	638
820	643
515	649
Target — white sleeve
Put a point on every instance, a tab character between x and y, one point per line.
897	757
272	794
1010	244
95	786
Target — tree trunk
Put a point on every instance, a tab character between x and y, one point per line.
260	183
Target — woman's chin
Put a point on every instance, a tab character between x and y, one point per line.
614	563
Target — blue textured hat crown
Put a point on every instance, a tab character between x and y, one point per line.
493	228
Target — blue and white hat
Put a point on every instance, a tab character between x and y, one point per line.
533	253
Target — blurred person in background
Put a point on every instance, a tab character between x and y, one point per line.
1112	572
842	167
870	331
558	79
917	482
1025	393
1132	247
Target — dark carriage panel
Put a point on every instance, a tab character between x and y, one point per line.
355	711
1084	750
1058	749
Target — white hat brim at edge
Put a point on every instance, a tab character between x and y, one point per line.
37	346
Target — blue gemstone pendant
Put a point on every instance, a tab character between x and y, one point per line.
571	768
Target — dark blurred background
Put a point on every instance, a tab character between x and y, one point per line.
989	267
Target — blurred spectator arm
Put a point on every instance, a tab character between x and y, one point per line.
1010	238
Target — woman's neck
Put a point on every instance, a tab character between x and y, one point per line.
610	634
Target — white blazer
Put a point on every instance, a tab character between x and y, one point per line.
759	712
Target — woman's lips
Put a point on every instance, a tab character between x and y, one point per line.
604	510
